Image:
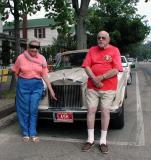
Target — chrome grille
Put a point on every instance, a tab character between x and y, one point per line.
69	97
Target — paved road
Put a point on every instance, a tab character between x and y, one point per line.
63	142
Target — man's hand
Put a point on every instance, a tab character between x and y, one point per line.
97	82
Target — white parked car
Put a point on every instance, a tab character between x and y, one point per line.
69	82
131	62
127	69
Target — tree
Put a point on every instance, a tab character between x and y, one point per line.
144	51
61	13
63	16
119	18
17	8
114	16
80	17
66	13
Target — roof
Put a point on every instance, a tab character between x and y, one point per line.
31	23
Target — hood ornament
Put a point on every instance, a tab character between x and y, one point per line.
64	76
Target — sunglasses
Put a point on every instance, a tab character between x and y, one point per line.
100	37
33	46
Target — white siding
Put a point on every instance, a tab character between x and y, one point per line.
49	35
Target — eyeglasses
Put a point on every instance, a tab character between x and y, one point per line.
34	46
100	37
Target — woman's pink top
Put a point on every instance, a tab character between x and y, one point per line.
27	69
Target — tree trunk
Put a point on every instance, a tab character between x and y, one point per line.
80	28
16	27
81	34
24	26
17	38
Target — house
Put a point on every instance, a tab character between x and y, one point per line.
36	28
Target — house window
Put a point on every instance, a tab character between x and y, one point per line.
39	32
11	33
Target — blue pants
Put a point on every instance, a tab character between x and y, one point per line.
28	95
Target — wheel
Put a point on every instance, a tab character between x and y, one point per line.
118	122
129	81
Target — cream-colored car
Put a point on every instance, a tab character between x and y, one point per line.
69	82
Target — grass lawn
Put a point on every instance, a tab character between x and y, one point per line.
7	97
8	94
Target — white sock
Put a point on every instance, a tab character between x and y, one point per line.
90	135
103	137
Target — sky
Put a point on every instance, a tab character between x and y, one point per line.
145	9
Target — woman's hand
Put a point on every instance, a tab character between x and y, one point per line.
52	94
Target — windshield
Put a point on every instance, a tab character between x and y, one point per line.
71	60
123	60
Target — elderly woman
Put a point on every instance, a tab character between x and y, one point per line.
30	68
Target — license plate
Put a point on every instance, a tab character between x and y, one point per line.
63	117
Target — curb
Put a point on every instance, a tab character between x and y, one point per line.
11	118
7	110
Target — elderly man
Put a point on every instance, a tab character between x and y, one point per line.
102	64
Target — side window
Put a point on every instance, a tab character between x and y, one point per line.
123	60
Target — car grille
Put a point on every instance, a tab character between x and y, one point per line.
69	96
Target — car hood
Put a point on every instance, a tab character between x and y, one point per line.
75	74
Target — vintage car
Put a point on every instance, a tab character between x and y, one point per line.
69	82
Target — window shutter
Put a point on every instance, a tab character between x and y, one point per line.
44	34
35	32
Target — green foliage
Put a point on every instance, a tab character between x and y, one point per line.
139	50
23	7
5	53
144	51
45	53
119	18
68	43
8	94
62	14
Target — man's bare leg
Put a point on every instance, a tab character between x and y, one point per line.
105	119
90	123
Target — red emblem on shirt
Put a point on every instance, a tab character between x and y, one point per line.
108	58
